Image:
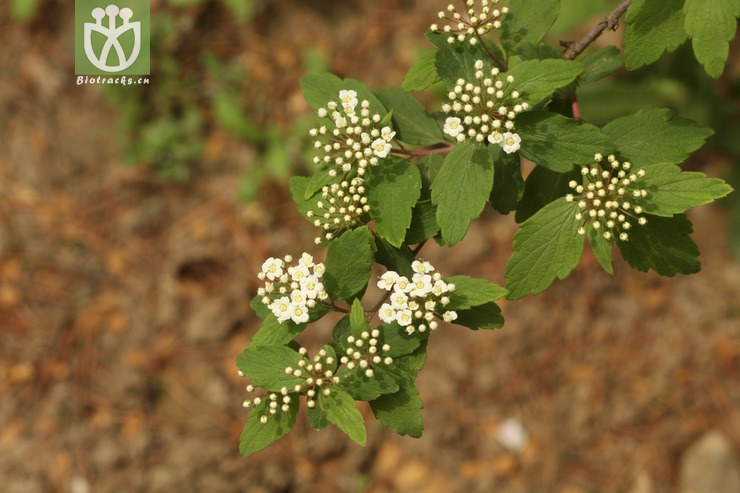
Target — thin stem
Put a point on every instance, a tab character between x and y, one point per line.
335	307
500	63
611	21
422	152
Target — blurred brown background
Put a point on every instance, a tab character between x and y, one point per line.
124	295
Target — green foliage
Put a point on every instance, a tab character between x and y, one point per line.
393	190
547	246
537	79
663	245
348	264
364	388
601	63
711	25
472	292
508	184
422	74
273	332
486	316
265	366
401	411
319	89
340	409
542	187
559	143
654	136
410	120
256	436
671	191
653	28
528	21
461	189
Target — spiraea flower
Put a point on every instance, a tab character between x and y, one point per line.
316	375
609	198
290	291
340	206
364	352
485	109
350	137
415	303
472	24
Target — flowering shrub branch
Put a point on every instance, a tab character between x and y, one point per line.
390	177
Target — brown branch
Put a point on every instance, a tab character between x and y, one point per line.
611	21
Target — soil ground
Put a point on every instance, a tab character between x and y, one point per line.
124	301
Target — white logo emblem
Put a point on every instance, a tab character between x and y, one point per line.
112	33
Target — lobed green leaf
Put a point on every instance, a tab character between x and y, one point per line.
672	191
711	24
652	29
401	410
265	366
349	261
340	409
537	79
528	21
256	436
470	292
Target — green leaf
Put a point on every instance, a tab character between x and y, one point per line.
256	436
429	166
663	245
508	184
455	61
357	321
601	63
411	364
422	74
542	187
411	122
528	21
654	136
349	262
652	28
396	259
259	308
319	89
461	189
392	190
364	388
486	316
537	79
672	191
547	246
560	143
602	249
401	343
274	333
265	366
532	51
401	411
711	24
423	222
317	417
341	410
470	292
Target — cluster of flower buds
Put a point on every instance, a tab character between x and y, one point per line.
485	108
352	137
290	291
339	207
472	24
609	198
317	375
415	303
363	352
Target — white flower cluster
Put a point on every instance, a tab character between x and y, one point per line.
484	109
340	206
290	291
472	24
608	198
415	303
363	352
352	139
317	375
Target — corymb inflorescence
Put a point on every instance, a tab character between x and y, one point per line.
351	138
609	198
485	109
472	24
365	351
340	206
416	302
290	291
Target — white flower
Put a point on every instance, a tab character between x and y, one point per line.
298	313
387	133
403	284
306	260
399	300
387	280
439	288
298	272
422	285
453	126
449	316
387	314
348	99
281	308
319	269
510	142
421	267
380	148
495	138
311	287
273	268
404	318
